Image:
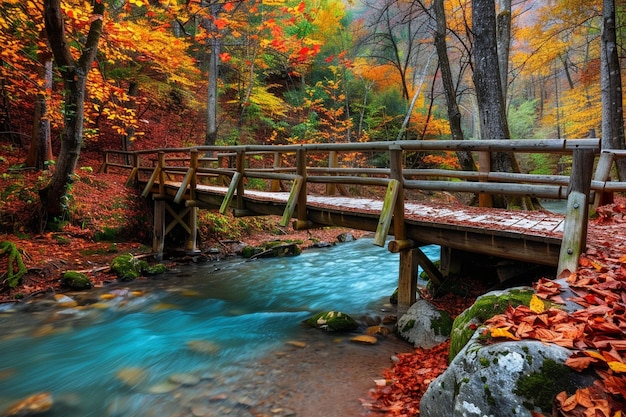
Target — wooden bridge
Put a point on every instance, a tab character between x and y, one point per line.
329	184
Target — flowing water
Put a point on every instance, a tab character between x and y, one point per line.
203	340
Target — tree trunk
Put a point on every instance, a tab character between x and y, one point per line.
612	108
454	114
74	74
40	149
488	86
504	43
214	69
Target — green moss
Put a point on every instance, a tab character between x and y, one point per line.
483	309
333	321
484	362
15	264
541	387
129	268
125	267
76	280
442	326
408	325
394	297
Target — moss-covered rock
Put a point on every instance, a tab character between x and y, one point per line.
125	267
333	321
76	281
129	268
483	309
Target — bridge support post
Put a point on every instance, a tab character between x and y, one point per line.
407	280
158	231
576	219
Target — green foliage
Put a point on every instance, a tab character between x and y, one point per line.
523	119
15	265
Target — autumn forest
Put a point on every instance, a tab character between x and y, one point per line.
145	73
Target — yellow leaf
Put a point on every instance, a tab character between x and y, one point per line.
617	366
536	305
595	354
503	332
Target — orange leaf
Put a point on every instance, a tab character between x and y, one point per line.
580	363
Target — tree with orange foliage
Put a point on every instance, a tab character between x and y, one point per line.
74	73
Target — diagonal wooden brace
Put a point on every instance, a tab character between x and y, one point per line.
234	183
292	201
387	213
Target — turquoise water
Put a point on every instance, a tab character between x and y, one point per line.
208	321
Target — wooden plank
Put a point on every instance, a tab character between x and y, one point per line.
387	213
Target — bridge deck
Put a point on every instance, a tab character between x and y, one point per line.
521	235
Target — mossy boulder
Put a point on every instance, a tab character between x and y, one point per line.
76	281
424	325
333	321
273	249
485	307
129	268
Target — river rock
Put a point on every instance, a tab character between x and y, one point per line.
76	281
65	301
132	376
365	339
346	237
377	331
203	346
333	321
30	406
187	380
504	379
424	325
485	307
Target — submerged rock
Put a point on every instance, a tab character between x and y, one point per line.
30	406
132	376
333	321
365	339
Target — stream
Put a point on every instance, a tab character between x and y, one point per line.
215	339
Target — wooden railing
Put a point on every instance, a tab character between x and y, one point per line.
293	167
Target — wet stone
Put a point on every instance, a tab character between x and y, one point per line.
184	379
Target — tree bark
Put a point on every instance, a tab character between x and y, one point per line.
74	75
612	108
214	69
454	114
504	43
488	86
40	149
